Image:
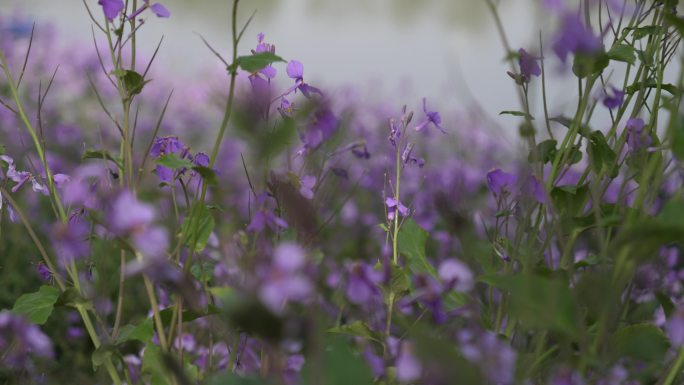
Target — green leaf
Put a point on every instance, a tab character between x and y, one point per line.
101	354
623	52
133	82
207	174
643	341
539	302
234	379
101	155
202	270
257	62
651	83
544	152
517	113
198	229
585	65
666	303
341	365
37	307
173	161
358	329
143	332
645	237
641	32
601	155
676	128
2	149
153	366
411	243
569	200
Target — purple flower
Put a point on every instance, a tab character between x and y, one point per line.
111	8
295	70
263	47
324	125
159	10
285	280
575	37
306	185
635	135
613	98
533	188
19	339
392	206
70	239
528	65
408	366
675	328
455	275
286	108
129	215
362	283
264	216
500	182
431	117
495	358
201	159
408	158
44	272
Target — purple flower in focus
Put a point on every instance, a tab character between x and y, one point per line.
575	37
528	65
392	206
614	98
431	117
295	70
635	135
111	8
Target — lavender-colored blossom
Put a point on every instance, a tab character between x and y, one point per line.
160	10
575	37
285	280
111	8
129	215
455	275
636	138
501	182
70	239
528	65
306	186
613	98
431	117
408	367
265	216
495	358
295	70
362	283
532	187
44	272
675	328
393	206
323	126
19	339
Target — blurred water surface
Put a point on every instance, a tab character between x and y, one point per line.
443	49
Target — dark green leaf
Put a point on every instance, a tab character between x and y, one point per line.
539	302
358	329
544	152
198	228
585	65
644	342
677	134
257	62
651	83
234	379
517	113
133	82
37	307
101	354
152	366
173	161
207	174
666	303
143	332
622	52
569	200
602	157
342	365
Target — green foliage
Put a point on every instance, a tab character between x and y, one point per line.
517	113
539	302
198	228
341	365
173	161
133	82
643	341
37	307
623	52
256	62
585	65
601	155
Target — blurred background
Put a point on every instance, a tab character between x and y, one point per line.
400	50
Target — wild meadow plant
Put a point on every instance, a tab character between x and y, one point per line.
257	229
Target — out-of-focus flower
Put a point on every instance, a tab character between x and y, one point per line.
675	328
636	139
408	367
575	37
362	283
111	8
393	206
528	65
70	239
306	185
495	358
284	280
455	275
132	218
614	98
264	216
323	126
19	339
431	117
501	182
